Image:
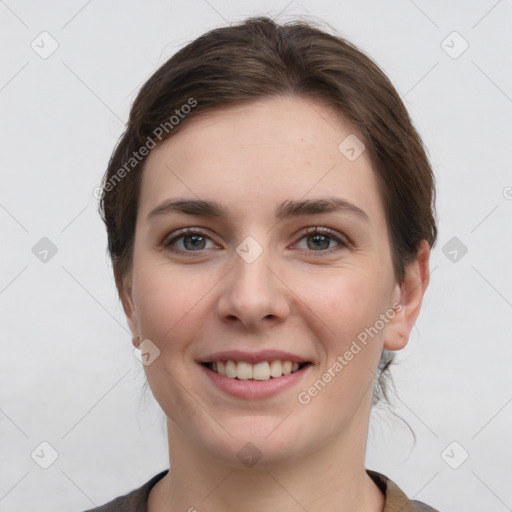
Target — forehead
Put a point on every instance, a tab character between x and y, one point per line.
266	152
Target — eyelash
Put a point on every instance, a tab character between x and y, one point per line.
309	231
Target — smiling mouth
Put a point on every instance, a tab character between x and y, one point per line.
265	370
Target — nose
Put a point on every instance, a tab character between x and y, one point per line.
253	294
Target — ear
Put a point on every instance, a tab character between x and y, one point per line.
124	288
410	295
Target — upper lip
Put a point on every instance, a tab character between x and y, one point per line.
253	357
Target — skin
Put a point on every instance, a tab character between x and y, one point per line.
295	297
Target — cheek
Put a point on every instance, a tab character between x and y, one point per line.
348	302
168	306
353	340
165	298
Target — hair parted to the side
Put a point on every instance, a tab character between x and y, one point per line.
257	59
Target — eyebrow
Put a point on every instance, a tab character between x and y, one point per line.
286	210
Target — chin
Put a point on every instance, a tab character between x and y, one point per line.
260	442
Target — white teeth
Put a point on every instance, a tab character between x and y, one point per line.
260	371
276	369
287	367
231	369
244	370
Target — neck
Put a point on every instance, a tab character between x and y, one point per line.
332	478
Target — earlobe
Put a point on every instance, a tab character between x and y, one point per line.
411	293
133	326
125	294
131	319
132	323
136	341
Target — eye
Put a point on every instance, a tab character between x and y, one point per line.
317	239
320	239
189	240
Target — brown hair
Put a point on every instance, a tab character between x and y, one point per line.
257	59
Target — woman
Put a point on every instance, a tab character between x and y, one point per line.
270	215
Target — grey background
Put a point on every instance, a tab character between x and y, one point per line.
68	373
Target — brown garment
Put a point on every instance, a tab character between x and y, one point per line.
396	500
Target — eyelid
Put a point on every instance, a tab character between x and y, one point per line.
176	235
342	241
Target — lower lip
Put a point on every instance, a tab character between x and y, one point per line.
250	389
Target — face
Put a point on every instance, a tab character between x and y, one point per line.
279	276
